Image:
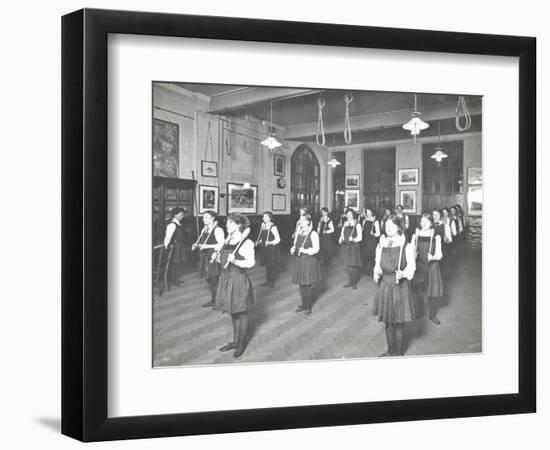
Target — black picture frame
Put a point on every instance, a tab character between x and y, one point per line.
279	160
206	166
84	242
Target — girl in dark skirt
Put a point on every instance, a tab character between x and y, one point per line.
209	242
404	220
394	268
384	218
371	234
350	239
306	269
235	294
325	229
427	278
268	243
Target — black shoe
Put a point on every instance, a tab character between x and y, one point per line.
208	305
265	283
271	285
299	309
386	353
435	320
354	286
307	311
228	346
239	351
347	285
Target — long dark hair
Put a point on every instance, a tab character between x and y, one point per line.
396	220
240	219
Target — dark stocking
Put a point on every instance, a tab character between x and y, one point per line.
303	298
308	298
232	345
242	334
213	285
433	310
390	339
398	349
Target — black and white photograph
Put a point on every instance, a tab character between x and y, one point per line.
208	198
209	169
352	181
278	165
408	177
288	272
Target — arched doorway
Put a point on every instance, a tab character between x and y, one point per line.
305	181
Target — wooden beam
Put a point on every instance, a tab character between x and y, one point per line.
233	101
381	120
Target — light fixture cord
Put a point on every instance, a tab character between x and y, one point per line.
461	104
347	122
320	136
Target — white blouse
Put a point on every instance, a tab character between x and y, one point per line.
436	241
357	226
314	249
246	251
409	254
274	233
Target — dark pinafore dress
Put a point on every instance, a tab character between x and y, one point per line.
235	293
208	269
177	243
383	221
351	250
270	253
326	240
427	277
306	268
369	240
393	301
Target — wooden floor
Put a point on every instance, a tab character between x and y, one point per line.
341	325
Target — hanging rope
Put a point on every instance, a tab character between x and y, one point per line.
461	104
347	123
227	137
320	136
209	140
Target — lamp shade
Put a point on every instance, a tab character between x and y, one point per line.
439	155
333	162
271	143
416	124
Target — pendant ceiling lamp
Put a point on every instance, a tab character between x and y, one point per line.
439	154
333	162
416	124
270	142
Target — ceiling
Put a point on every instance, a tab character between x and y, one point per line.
296	110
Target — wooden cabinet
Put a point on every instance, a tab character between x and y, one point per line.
169	193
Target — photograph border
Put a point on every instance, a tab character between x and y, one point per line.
85	243
401	183
217	208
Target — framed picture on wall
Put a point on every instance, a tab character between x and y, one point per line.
408	200
278	165
352	199
475	176
241	200
408	177
278	202
352	181
209	169
208	198
475	200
